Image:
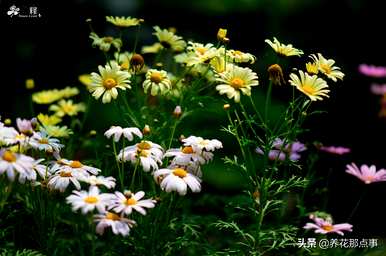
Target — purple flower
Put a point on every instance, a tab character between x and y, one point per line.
367	174
372	71
281	151
323	226
378	89
24	126
335	150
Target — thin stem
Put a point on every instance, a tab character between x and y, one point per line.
133	178
136	38
119	168
357	205
267	102
236	135
172	135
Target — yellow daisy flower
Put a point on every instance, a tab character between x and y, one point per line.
85	79
46	97
123	59
67	108
200	53
69	92
312	68
282	49
240	57
47	120
169	40
123	21
104	43
57	131
235	80
154	48
312	86
157	81
326	66
219	65
109	79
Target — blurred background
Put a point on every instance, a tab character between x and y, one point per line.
54	49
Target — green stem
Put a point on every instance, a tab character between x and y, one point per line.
267	102
357	205
120	174
172	135
134	173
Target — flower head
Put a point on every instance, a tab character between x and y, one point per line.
57	131
284	150
126	203
42	141
47	96
118	131
236	80
108	182
105	43
326	66
312	86
378	89
366	174
157	81
323	226
335	150
276	74
199	53
119	225
169	40
240	57
87	201
24	126
64	108
13	164
282	49
48	120
372	71
106	83
124	21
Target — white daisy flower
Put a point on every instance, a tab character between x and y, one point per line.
74	166
118	224
7	135
126	203
240	57
157	81
61	180
178	180
326	66
105	43
108	182
200	53
88	201
41	141
200	144
282	49
24	126
109	79
149	154
13	164
118	131
185	155
41	169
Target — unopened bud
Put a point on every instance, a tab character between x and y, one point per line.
146	130
177	112
93	133
276	74
226	106
137	62
29	84
7	121
182	137
221	34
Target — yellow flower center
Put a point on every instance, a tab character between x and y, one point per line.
201	50
20	136
9	156
143	152
144	145
76	164
180	172
131	201
237	83
308	89
239	53
156	77
68	108
325	68
65	174
327	227
108	39
112	216
125	65
187	150
43	141
91	199
109	83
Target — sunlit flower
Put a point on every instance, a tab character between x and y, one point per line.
74	166
219	65
118	224
200	144
335	150
108	182
169	40
177	179
236	80
282	150
372	71
157	81
48	120
186	155
378	89
326	66
282	49
108	81
322	226
124	21
154	48
126	203
240	57
13	164
57	131
105	43
312	86
118	131
69	92
312	68
199	53
42	141
87	201
85	79
221	35
148	153
64	108
366	174
46	97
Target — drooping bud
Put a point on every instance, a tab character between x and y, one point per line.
137	62
276	74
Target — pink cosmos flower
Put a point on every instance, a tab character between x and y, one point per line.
322	226
367	174
378	89
335	150
372	71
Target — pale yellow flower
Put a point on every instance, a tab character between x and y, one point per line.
124	21
199	53
57	131
67	108
169	40
157	81
235	80
240	57
326	66
282	49
47	120
154	48
47	96
109	79
85	79
221	34
105	43
219	65
69	92
123	59
312	68
312	86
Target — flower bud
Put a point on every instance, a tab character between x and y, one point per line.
137	62
276	74
7	121
177	112
29	84
146	130
226	106
221	34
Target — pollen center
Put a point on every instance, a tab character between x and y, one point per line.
112	216
76	164
327	227
325	68
65	174
131	201
108	39
237	83
68	108
9	156
308	89
91	199
187	150
369	179
109	83
144	145
201	50
43	141
156	77
180	172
